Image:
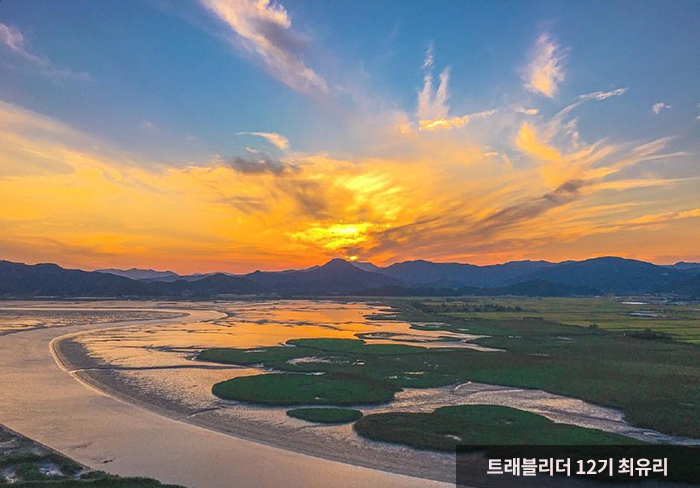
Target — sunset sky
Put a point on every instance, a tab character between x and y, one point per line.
236	135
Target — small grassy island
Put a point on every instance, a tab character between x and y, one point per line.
653	382
446	427
304	389
325	415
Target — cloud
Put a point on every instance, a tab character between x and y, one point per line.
263	164
526	187
265	29
599	95
432	104
453	122
662	218
308	195
432	111
273	138
527	111
545	71
13	39
659	106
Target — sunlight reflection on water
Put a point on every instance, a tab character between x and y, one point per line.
160	362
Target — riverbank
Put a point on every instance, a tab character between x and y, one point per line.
45	403
75	358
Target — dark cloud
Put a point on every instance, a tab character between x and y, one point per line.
259	165
566	191
308	196
284	39
435	234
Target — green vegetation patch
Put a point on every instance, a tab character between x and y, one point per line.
680	321
445	428
653	381
355	346
305	389
325	415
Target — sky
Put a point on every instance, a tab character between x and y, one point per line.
235	135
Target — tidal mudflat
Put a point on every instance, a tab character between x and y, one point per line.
155	365
45	402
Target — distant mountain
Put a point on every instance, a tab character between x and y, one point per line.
216	284
455	275
540	288
19	279
339	277
335	277
607	274
192	277
685	266
689	288
610	275
367	266
139	274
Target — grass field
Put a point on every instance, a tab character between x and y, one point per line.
681	321
446	427
654	382
305	389
325	415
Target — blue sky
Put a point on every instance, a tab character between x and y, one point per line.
150	62
174	84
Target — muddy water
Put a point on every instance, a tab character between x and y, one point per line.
46	403
147	353
151	361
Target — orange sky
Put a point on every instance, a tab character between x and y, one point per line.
74	200
245	135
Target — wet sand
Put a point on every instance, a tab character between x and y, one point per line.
272	429
45	402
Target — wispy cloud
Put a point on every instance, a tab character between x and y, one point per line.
272	137
600	95
659	106
13	39
432	104
432	111
662	218
265	29
453	122
545	70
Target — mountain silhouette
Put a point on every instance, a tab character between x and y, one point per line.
611	275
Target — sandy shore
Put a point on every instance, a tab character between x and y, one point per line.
110	432
73	357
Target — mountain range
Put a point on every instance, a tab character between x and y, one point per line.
605	275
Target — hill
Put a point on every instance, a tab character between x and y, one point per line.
335	277
339	277
19	279
455	275
611	274
139	274
606	274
